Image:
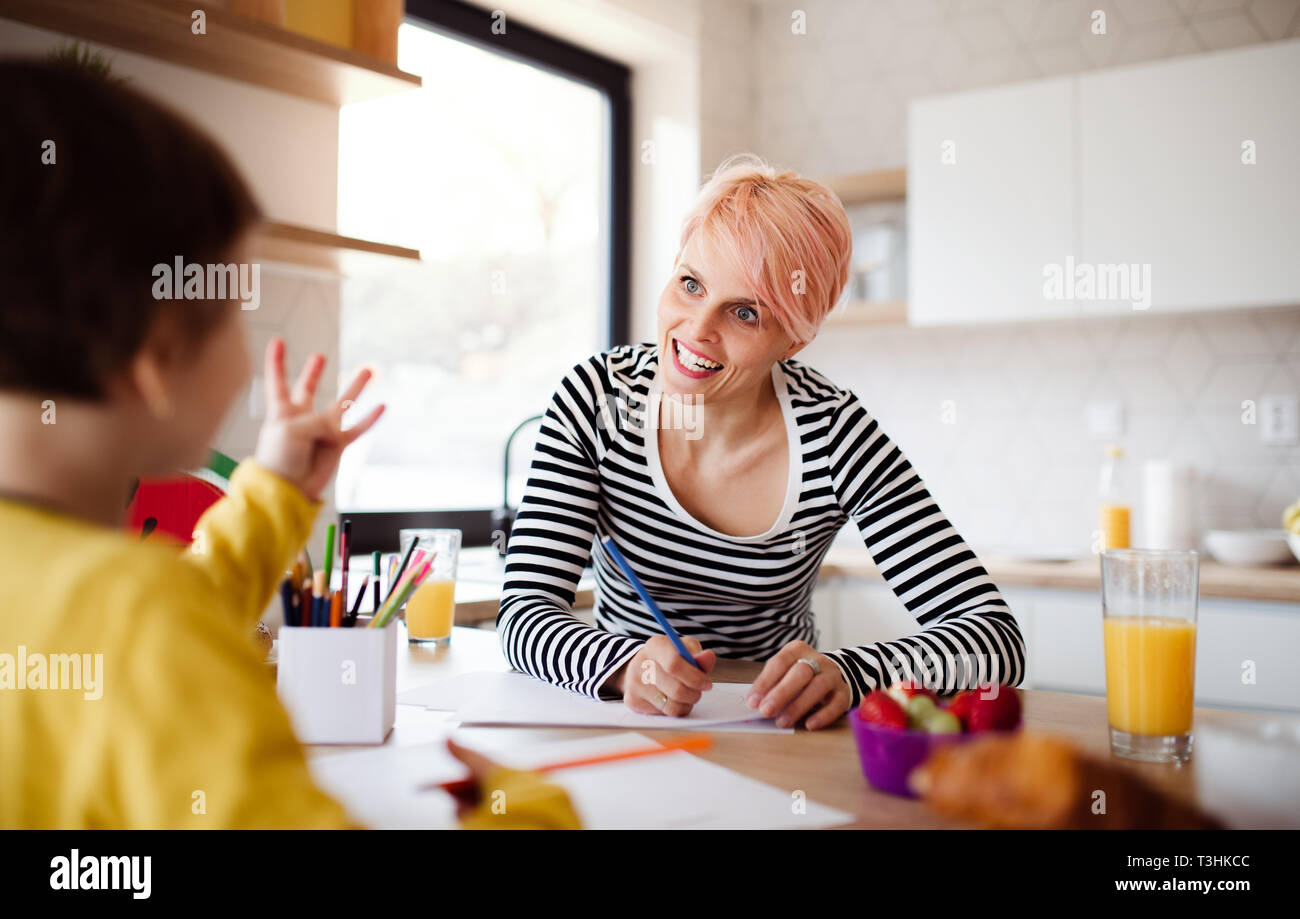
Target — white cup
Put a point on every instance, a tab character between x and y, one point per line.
339	685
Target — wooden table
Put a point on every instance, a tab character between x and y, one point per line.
822	763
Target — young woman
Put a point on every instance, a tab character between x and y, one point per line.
177	724
722	468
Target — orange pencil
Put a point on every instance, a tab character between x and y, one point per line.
336	609
464	788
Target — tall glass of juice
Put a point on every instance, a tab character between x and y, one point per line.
1148	600
431	610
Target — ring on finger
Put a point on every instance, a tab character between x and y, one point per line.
811	662
660	699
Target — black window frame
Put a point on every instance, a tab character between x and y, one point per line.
377	530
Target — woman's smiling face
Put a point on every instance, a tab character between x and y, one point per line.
714	339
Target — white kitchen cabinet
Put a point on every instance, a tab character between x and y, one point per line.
1139	166
1063	635
1162	182
1063	639
866	611
1232	634
990	201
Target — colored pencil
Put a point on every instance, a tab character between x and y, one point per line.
336	610
329	555
650	603
392	582
286	599
361	592
318	598
345	549
462	787
404	589
374	562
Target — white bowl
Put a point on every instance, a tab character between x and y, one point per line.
1293	540
1248	547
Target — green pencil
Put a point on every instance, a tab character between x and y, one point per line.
329	556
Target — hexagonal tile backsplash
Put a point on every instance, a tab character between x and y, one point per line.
1018	468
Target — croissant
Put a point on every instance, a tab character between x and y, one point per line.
1037	781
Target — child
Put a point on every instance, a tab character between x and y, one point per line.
131	694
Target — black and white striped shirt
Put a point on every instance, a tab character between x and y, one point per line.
596	473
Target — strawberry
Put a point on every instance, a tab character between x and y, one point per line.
999	713
905	690
879	708
959	706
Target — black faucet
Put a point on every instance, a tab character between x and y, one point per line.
503	518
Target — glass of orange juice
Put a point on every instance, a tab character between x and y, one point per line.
1148	600
431	610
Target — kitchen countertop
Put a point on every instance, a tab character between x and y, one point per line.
1278	583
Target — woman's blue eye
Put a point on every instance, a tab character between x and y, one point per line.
747	314
692	286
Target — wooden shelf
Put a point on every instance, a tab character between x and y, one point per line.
863	312
235	46
869	187
305	247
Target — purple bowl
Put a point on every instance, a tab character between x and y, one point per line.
888	754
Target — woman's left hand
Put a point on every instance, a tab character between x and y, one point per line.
788	689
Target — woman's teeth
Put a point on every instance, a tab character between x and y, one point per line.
692	361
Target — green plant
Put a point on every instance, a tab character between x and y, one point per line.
81	57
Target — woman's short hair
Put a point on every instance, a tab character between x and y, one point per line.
788	235
98	184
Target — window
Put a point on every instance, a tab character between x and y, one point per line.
503	171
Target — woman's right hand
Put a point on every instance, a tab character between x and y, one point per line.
659	681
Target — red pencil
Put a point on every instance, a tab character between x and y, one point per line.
345	544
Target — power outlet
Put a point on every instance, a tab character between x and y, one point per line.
1279	421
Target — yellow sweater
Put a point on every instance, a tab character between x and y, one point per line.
132	693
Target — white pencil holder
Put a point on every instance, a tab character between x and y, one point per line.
339	685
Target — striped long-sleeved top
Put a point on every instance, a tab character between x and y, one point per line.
596	473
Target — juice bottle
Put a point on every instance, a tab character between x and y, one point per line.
1150	674
1113	501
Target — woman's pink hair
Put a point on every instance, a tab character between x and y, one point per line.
775	229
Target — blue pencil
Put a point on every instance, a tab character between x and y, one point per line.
650	603
287	593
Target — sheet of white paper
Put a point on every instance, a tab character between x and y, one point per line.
441	695
681	791
516	698
380	788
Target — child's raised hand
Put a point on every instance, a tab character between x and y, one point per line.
297	442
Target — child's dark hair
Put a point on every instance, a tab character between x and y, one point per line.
132	185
